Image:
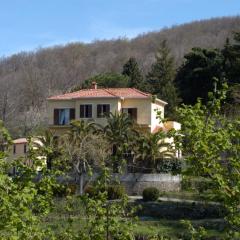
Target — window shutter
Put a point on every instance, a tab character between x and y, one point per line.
99	110
107	109
72	114
81	111
25	148
90	111
56	117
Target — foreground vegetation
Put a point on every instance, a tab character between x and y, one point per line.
210	141
145	226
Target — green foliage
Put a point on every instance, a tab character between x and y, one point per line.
160	79
5	139
131	69
27	198
153	154
107	80
195	77
169	165
150	194
106	219
195	233
212	150
23	199
231	53
84	147
90	191
120	134
115	191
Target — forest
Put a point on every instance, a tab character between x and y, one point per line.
178	64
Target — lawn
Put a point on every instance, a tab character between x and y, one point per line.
147	225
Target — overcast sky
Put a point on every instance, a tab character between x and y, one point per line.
30	24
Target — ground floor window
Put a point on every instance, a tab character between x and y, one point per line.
103	110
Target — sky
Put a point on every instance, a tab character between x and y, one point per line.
27	25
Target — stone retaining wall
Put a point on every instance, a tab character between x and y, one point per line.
136	183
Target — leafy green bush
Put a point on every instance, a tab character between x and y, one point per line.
90	191
169	166
200	184
65	190
150	194
115	191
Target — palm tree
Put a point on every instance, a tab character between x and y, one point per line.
46	146
151	149
119	132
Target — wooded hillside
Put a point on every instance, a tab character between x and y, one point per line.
26	79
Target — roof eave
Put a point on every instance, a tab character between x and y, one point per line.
161	101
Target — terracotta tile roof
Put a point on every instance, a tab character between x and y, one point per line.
20	140
103	93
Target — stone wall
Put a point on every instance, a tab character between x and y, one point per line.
135	183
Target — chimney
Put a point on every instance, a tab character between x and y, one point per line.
94	85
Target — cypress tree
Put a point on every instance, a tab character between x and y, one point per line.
131	69
160	79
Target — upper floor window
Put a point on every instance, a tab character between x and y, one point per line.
63	116
103	110
85	111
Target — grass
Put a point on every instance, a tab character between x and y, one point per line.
176	229
145	226
189	195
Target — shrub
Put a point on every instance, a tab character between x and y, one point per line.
200	184
65	190
115	191
71	189
150	194
90	191
170	165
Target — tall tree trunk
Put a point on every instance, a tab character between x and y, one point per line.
81	184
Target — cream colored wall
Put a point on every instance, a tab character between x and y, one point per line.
114	106
58	104
155	107
143	109
146	114
19	150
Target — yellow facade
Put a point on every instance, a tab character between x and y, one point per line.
146	110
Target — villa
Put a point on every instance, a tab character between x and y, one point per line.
95	103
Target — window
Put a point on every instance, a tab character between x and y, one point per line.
63	116
14	149
103	110
85	111
132	112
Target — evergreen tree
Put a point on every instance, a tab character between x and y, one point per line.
160	79
195	77
131	69
231	54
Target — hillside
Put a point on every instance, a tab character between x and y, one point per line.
26	79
